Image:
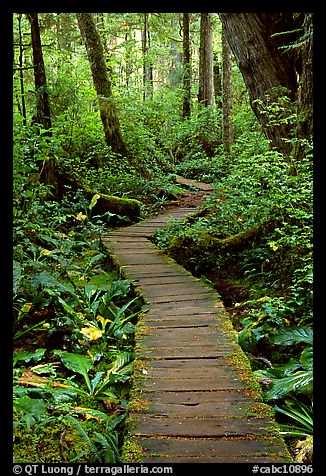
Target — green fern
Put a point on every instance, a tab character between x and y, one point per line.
82	433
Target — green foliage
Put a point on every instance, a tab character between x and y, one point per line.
74	318
300	416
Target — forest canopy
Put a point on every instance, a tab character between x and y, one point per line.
109	109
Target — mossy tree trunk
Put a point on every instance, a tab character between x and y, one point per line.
206	78
217	76
147	66
227	96
48	173
186	108
102	83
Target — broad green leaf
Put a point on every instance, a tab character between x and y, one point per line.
27	356
294	336
47	280
306	358
95	381
94	201
300	381
78	363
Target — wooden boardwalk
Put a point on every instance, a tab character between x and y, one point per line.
194	399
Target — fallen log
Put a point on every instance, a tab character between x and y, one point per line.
199	245
120	206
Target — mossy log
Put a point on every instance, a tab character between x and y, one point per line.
201	245
120	206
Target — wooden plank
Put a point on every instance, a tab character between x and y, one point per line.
168	279
185	363
189	384
174	290
190	334
187	306
213	459
213	448
143	259
176	323
200	427
196	373
194	183
201	296
185	352
180	340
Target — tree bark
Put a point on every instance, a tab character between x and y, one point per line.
102	83
147	67
265	68
217	80
206	81
186	108
43	115
304	128
227	96
21	71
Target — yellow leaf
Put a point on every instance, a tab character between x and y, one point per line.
92	333
26	307
45	252
264	299
103	321
81	217
86	415
273	245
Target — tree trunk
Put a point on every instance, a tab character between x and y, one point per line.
227	96
206	81
147	67
186	108
217	77
43	115
21	71
305	93
265	68
102	83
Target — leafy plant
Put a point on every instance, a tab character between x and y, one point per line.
104	447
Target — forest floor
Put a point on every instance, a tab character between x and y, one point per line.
194	398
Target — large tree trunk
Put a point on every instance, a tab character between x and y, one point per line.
102	83
305	94
227	96
266	69
186	108
206	80
43	115
21	71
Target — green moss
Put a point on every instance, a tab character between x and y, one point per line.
241	362
121	206
50	443
132	452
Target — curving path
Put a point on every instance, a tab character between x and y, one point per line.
194	399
